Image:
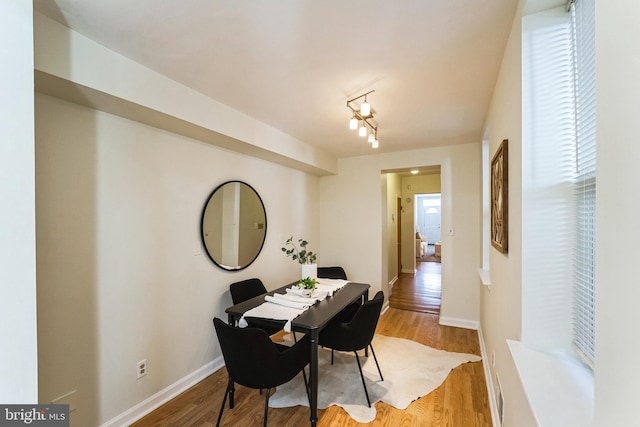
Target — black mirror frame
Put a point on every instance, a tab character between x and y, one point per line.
204	210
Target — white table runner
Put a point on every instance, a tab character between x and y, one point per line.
292	304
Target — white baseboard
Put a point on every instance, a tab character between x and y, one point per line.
393	282
385	307
143	408
493	405
409	270
459	323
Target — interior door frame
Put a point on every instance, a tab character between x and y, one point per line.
399	233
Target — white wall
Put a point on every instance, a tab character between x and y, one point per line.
352	225
618	204
118	208
18	352
501	308
393	192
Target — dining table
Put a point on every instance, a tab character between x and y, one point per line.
312	321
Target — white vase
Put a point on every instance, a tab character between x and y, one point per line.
309	270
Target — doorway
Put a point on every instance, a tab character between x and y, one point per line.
426	285
399	233
428	218
420	289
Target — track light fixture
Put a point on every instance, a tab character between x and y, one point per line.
363	115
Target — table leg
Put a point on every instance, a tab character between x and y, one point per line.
365	298
313	377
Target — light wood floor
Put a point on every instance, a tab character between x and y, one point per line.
420	291
460	401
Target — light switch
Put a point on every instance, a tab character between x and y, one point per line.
451	231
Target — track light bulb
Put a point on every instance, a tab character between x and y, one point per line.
374	144
372	137
365	108
363	130
353	123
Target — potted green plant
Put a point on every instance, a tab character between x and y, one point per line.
304	257
308	285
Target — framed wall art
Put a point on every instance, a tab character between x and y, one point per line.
500	198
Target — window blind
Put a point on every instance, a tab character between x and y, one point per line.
548	179
583	14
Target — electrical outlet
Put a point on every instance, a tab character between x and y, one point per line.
142	368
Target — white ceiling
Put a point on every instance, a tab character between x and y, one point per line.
293	63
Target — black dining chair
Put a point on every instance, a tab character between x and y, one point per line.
246	289
332	273
338	273
355	333
254	361
250	288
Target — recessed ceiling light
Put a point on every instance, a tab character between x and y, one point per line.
414	172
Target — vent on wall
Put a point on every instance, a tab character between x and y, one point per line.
500	401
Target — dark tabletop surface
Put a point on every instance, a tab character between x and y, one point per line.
319	314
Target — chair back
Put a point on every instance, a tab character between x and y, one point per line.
358	332
254	361
246	289
366	319
332	273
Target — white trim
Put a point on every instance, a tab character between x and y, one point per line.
393	282
145	407
558	387
385	307
409	270
459	323
493	405
485	277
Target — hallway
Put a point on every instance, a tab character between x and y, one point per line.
419	292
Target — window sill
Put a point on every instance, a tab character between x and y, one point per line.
485	276
559	389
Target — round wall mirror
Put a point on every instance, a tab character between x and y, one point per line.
233	225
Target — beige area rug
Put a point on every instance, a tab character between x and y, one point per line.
430	255
410	370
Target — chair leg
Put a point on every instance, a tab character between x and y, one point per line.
266	406
376	359
362	377
232	394
227	392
